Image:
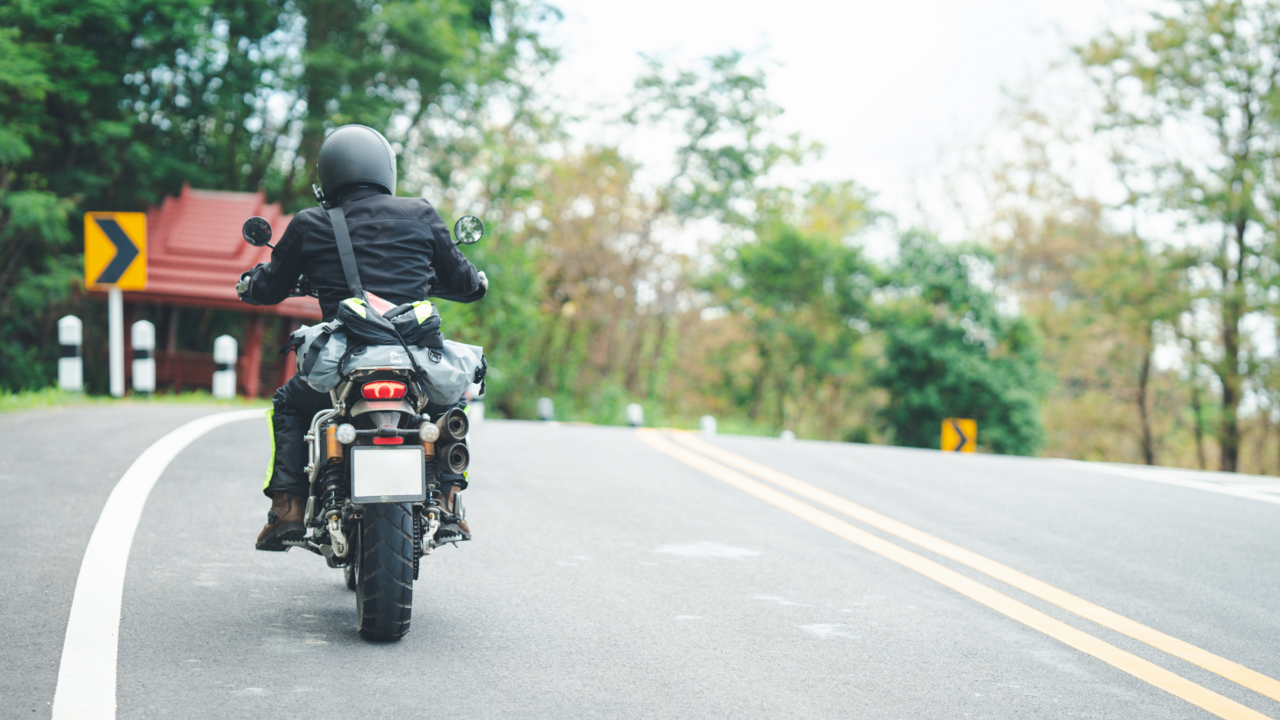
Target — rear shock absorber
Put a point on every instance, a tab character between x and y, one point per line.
333	485
333	491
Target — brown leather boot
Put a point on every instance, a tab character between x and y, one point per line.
454	528
284	522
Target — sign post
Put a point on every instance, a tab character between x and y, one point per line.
115	259
115	340
959	435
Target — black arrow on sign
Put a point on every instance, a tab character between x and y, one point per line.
126	251
963	440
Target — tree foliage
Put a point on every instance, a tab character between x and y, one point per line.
116	104
778	319
950	352
1194	105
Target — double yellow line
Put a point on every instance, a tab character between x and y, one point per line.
718	463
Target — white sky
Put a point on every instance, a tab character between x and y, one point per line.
888	87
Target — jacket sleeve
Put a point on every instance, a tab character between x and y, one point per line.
456	278
272	282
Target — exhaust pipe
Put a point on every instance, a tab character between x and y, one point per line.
454	457
453	425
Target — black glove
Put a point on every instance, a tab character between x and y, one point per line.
244	288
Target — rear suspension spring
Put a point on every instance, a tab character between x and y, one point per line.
333	490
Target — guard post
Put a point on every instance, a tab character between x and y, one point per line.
546	409
71	360
144	361
225	351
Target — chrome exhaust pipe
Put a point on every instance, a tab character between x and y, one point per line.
454	457
453	425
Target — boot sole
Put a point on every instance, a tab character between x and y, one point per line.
275	541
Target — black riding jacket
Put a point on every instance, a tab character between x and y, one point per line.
403	251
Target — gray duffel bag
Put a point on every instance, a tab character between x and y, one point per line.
322	359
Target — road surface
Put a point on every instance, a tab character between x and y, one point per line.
625	574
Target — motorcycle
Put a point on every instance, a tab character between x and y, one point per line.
386	466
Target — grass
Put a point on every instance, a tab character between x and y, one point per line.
53	397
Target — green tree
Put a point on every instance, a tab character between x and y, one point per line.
1206	77
76	134
950	352
1103	298
114	104
725	150
802	289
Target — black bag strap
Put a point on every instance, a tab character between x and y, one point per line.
345	252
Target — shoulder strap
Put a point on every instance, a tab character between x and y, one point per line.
345	252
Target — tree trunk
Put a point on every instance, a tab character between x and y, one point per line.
757	382
1144	378
1229	368
655	357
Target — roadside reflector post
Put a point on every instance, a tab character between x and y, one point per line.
225	351
71	359
708	425
546	409
144	361
115	340
959	435
635	415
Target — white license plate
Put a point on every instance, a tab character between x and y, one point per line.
388	474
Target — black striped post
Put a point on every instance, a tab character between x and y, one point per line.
225	351
144	362
71	360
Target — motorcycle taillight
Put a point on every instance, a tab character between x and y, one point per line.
383	390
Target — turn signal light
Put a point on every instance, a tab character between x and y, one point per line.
383	390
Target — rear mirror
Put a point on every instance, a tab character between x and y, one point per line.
257	231
468	230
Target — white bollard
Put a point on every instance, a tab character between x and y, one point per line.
144	361
635	415
788	436
546	409
71	361
708	425
224	375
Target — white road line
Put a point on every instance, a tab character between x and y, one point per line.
87	675
1168	478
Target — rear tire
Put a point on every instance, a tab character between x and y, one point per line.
384	571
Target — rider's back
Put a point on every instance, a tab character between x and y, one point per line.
402	248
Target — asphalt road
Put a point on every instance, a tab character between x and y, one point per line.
611	579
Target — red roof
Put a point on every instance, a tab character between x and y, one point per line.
195	252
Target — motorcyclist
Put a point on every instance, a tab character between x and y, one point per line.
404	254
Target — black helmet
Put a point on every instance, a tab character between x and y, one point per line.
356	154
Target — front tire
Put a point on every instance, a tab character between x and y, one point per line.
384	571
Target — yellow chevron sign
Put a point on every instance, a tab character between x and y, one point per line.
115	250
959	435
